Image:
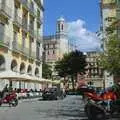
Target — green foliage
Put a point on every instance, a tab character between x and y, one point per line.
110	59
71	64
46	71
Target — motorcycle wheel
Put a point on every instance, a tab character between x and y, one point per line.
96	113
15	103
0	104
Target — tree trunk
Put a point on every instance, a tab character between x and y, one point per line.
73	85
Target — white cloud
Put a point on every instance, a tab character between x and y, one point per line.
82	38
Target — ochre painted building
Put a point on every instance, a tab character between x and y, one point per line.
21	31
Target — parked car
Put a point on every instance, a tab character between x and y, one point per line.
50	94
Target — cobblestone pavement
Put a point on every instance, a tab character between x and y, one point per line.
70	108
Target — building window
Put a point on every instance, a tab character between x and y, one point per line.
2	27
15	36
2	63
30	44
31	24
58	27
53	52
14	66
62	27
38	50
48	53
22	68
24	35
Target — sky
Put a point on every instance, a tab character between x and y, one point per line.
82	16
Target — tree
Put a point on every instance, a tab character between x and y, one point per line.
71	64
110	59
46	71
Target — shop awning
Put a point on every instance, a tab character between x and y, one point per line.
15	76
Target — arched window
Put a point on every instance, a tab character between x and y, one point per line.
2	62
37	72
14	65
29	70
22	68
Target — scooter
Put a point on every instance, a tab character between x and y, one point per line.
10	98
99	107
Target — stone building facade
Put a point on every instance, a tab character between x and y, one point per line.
55	46
21	31
110	18
94	74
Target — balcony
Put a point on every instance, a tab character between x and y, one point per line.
25	4
17	20
32	54
4	40
25	51
5	10
108	3
20	48
16	46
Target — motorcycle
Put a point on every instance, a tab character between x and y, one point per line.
99	107
10	98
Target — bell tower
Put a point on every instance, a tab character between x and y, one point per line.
61	26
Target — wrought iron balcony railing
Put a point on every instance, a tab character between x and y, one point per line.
5	10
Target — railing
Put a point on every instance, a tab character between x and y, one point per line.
16	46
4	40
32	54
19	48
4	9
25	51
18	19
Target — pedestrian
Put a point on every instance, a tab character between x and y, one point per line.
4	91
